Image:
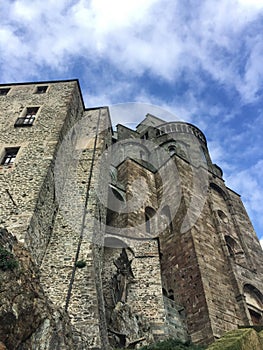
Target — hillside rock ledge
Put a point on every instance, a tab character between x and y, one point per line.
28	320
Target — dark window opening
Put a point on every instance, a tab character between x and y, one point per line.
149	214
145	136
166	224
147	224
28	118
171	294
9	156
4	91
234	249
256	318
164	292
41	89
254	301
230	250
172	150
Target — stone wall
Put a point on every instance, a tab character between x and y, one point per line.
28	186
198	268
192	264
76	235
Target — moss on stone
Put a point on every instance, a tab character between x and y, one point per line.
7	260
260	335
172	344
241	339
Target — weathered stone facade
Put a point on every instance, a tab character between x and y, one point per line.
134	234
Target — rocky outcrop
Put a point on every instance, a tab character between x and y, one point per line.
28	321
128	329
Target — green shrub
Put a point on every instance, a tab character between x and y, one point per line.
80	264
7	260
172	344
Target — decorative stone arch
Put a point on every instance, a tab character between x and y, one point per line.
234	249
219	190
135	149
254	301
129	149
168	143
114	242
175	147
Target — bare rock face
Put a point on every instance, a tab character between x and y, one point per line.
129	329
27	318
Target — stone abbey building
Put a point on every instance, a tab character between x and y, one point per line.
132	235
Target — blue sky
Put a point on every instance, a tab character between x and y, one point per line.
199	60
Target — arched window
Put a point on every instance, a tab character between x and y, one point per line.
166	220
234	249
219	190
254	301
172	150
231	246
222	216
149	214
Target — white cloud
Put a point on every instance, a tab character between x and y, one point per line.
254	70
252	5
118	41
162	37
131	114
248	183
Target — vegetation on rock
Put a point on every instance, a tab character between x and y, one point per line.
7	260
80	264
172	344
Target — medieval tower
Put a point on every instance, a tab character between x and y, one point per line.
133	234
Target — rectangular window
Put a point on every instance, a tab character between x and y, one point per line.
4	91
9	156
28	118
41	89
